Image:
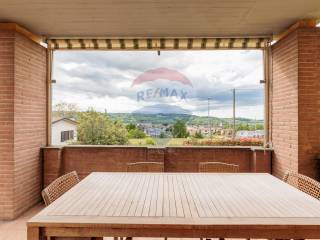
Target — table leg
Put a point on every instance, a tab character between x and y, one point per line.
33	233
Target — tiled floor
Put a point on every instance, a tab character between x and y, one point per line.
17	230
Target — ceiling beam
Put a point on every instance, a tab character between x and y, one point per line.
15	27
306	23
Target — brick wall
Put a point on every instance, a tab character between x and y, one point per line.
182	159
6	124
296	102
87	159
284	105
29	121
23	122
309	100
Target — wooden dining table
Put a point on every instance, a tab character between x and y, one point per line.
180	205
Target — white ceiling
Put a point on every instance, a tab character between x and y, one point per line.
157	18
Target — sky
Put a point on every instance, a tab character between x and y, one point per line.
174	81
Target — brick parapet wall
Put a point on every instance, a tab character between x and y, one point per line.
87	159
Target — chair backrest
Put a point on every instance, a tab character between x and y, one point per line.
218	167
145	167
303	183
59	187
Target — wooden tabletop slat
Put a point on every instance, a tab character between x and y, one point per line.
110	205
160	197
218	204
154	197
202	205
123	205
147	201
183	200
259	200
107	195
143	195
132	206
184	195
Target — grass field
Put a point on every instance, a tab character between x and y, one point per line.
138	142
157	142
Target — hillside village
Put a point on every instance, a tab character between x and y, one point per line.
64	128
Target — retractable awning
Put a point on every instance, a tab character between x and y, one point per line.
159	43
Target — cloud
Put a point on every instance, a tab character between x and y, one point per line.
103	80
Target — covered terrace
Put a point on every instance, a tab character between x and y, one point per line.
286	31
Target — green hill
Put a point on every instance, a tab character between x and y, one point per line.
172	118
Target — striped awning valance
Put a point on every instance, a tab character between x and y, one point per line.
159	43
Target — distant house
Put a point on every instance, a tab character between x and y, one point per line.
250	134
203	129
64	130
152	130
226	132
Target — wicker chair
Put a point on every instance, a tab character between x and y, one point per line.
59	187
216	167
303	183
145	167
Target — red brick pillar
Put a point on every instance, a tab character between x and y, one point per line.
52	164
261	160
22	122
295	102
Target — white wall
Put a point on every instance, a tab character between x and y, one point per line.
59	127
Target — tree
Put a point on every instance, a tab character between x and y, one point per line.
198	134
65	110
98	129
131	126
180	130
136	133
162	135
243	126
259	126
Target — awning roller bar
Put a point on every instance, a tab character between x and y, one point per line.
159	43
